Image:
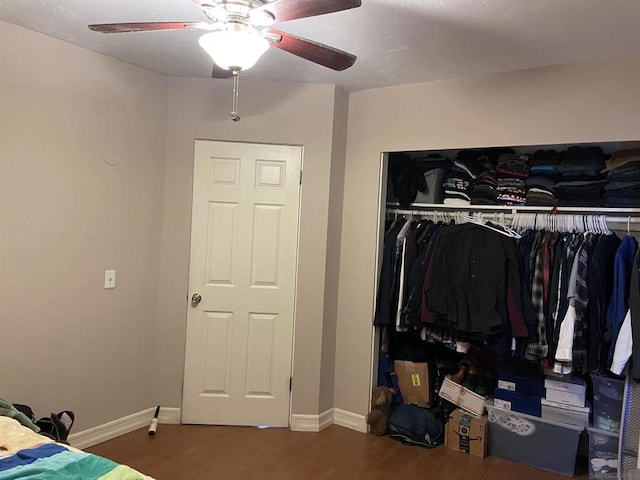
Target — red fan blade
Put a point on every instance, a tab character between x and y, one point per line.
316	52
218	72
147	26
284	10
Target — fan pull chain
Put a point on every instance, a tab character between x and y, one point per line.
236	86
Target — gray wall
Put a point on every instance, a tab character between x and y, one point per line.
66	216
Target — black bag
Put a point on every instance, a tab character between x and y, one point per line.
413	425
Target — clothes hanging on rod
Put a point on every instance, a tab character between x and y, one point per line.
619	318
557	265
470	268
465	277
552	298
634	308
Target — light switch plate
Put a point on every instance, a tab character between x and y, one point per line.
109	279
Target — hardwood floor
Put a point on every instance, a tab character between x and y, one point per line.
197	452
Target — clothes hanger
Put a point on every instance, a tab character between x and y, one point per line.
503	230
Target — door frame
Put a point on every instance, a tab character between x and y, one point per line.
375	332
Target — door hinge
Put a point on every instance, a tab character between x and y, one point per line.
300	177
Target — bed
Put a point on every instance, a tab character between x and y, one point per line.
27	455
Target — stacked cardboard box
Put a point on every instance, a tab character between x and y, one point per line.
467	433
565	401
519	392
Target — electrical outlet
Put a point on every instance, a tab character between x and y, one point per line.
109	279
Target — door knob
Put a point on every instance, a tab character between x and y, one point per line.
195	299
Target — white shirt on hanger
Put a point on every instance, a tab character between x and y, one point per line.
624	346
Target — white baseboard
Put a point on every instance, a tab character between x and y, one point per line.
135	421
122	426
350	420
325	419
170	415
311	423
316	423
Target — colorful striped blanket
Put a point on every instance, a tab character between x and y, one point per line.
25	455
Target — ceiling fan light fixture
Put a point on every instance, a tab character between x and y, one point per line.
235	48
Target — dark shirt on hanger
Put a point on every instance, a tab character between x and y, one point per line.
388	284
600	286
476	281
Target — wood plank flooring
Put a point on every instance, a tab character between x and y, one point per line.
194	452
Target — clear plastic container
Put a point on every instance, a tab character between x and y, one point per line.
608	396
603	454
533	440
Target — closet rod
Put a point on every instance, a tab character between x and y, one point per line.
507	216
524	208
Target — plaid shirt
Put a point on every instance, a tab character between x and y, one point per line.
581	300
540	349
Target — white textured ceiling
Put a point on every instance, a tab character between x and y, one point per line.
396	41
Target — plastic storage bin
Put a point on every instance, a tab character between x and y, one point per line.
603	454
608	395
532	440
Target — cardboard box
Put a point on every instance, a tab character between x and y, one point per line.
565	397
518	402
467	434
521	383
414	382
463	397
560	412
573	385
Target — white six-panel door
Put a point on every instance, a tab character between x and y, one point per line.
243	266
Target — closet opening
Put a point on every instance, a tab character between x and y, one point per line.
500	290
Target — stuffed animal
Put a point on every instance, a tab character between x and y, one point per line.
380	406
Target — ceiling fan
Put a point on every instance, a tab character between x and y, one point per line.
239	33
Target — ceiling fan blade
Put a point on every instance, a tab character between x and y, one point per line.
218	72
315	52
284	10
147	26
